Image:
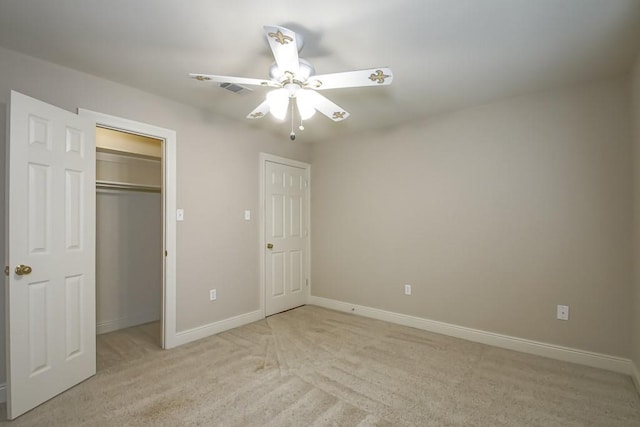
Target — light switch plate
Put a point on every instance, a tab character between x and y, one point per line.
180	215
247	215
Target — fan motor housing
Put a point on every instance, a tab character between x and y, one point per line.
305	71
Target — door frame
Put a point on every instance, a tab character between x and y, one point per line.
264	158
168	137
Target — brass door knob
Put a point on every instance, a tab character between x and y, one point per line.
269	245
21	270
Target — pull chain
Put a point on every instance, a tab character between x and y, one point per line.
292	135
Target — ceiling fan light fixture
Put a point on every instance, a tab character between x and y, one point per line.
295	77
278	101
305	104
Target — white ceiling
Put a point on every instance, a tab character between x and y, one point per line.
445	54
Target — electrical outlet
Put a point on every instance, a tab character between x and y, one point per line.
407	289
563	312
212	295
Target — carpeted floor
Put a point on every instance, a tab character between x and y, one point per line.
317	367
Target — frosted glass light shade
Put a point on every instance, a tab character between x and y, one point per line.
305	104
278	103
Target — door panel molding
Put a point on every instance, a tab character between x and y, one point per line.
302	231
50	306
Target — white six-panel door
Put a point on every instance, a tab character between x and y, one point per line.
51	309
286	236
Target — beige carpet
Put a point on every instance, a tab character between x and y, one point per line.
317	367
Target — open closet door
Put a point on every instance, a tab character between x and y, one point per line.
51	238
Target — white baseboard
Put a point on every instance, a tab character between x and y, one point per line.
125	322
596	360
216	327
635	375
181	337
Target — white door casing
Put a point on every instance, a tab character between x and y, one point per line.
169	141
286	233
51	216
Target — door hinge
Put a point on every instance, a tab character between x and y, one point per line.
307	281
166	253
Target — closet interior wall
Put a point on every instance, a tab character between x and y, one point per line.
128	230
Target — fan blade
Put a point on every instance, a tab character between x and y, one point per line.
326	107
260	111
370	77
236	80
284	47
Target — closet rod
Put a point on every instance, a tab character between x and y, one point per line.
113	185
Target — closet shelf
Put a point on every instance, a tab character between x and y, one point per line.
114	185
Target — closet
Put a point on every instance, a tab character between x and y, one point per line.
129	262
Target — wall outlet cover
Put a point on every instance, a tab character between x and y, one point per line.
562	312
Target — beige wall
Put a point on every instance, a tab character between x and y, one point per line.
494	214
125	169
217	179
128	258
109	140
635	113
128	235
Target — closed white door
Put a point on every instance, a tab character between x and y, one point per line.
51	247
286	236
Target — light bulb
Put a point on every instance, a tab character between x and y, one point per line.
305	104
278	102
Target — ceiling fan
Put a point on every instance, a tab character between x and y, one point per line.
292	77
